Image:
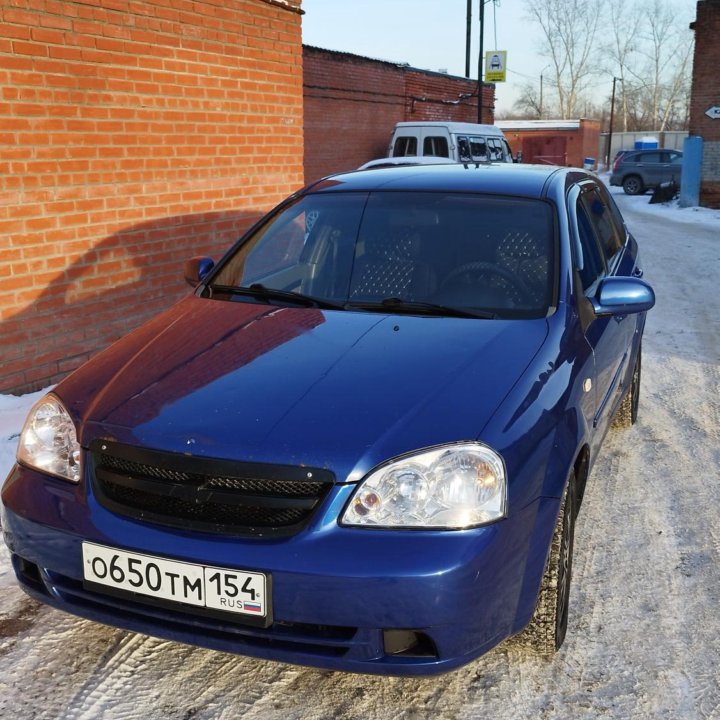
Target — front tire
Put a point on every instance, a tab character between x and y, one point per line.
633	185
548	625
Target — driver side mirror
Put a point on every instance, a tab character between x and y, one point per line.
197	269
518	157
622	296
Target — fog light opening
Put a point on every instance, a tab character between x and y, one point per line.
28	571
408	643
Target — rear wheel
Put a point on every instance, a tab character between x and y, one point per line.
633	185
627	413
548	626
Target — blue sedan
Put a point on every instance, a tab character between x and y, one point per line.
362	441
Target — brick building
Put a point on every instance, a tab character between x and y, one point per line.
353	102
133	135
706	95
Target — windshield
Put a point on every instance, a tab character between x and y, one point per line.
490	254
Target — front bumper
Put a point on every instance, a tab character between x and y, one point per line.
341	597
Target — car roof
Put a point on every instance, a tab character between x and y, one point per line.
495	178
629	154
453	127
405	160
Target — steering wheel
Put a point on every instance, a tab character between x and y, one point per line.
478	268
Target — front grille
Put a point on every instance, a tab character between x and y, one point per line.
206	494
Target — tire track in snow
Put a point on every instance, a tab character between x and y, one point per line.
690	480
21	618
112	679
177	681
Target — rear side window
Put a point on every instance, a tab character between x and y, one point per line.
649	157
405	145
436	146
591	265
602	220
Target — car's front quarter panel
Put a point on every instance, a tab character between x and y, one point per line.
540	430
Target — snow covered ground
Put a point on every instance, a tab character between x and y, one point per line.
644	635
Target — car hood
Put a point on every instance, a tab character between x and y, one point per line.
336	389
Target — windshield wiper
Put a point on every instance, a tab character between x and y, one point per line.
260	291
412	307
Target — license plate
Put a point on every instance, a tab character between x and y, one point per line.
204	587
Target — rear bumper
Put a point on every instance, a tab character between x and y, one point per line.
336	592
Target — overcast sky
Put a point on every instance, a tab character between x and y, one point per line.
430	34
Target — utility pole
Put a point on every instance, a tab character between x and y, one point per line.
468	37
541	98
610	127
480	62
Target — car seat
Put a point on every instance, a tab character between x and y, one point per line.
523	255
389	267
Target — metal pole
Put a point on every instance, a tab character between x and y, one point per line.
541	97
610	127
480	62
468	37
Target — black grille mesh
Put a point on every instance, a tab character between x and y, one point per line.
206	494
249	485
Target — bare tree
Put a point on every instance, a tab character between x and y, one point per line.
529	104
646	44
625	21
667	52
569	28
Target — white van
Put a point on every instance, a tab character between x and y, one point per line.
459	142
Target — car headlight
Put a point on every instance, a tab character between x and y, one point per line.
451	487
48	441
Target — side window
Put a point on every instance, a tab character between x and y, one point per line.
617	217
405	145
463	147
436	146
649	157
602	220
478	148
676	158
508	151
495	148
590	263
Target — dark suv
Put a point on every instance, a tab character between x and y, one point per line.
639	170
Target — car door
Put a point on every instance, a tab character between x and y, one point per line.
652	168
435	142
674	166
599	253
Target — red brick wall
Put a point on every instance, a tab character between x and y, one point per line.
436	96
706	94
352	104
132	136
